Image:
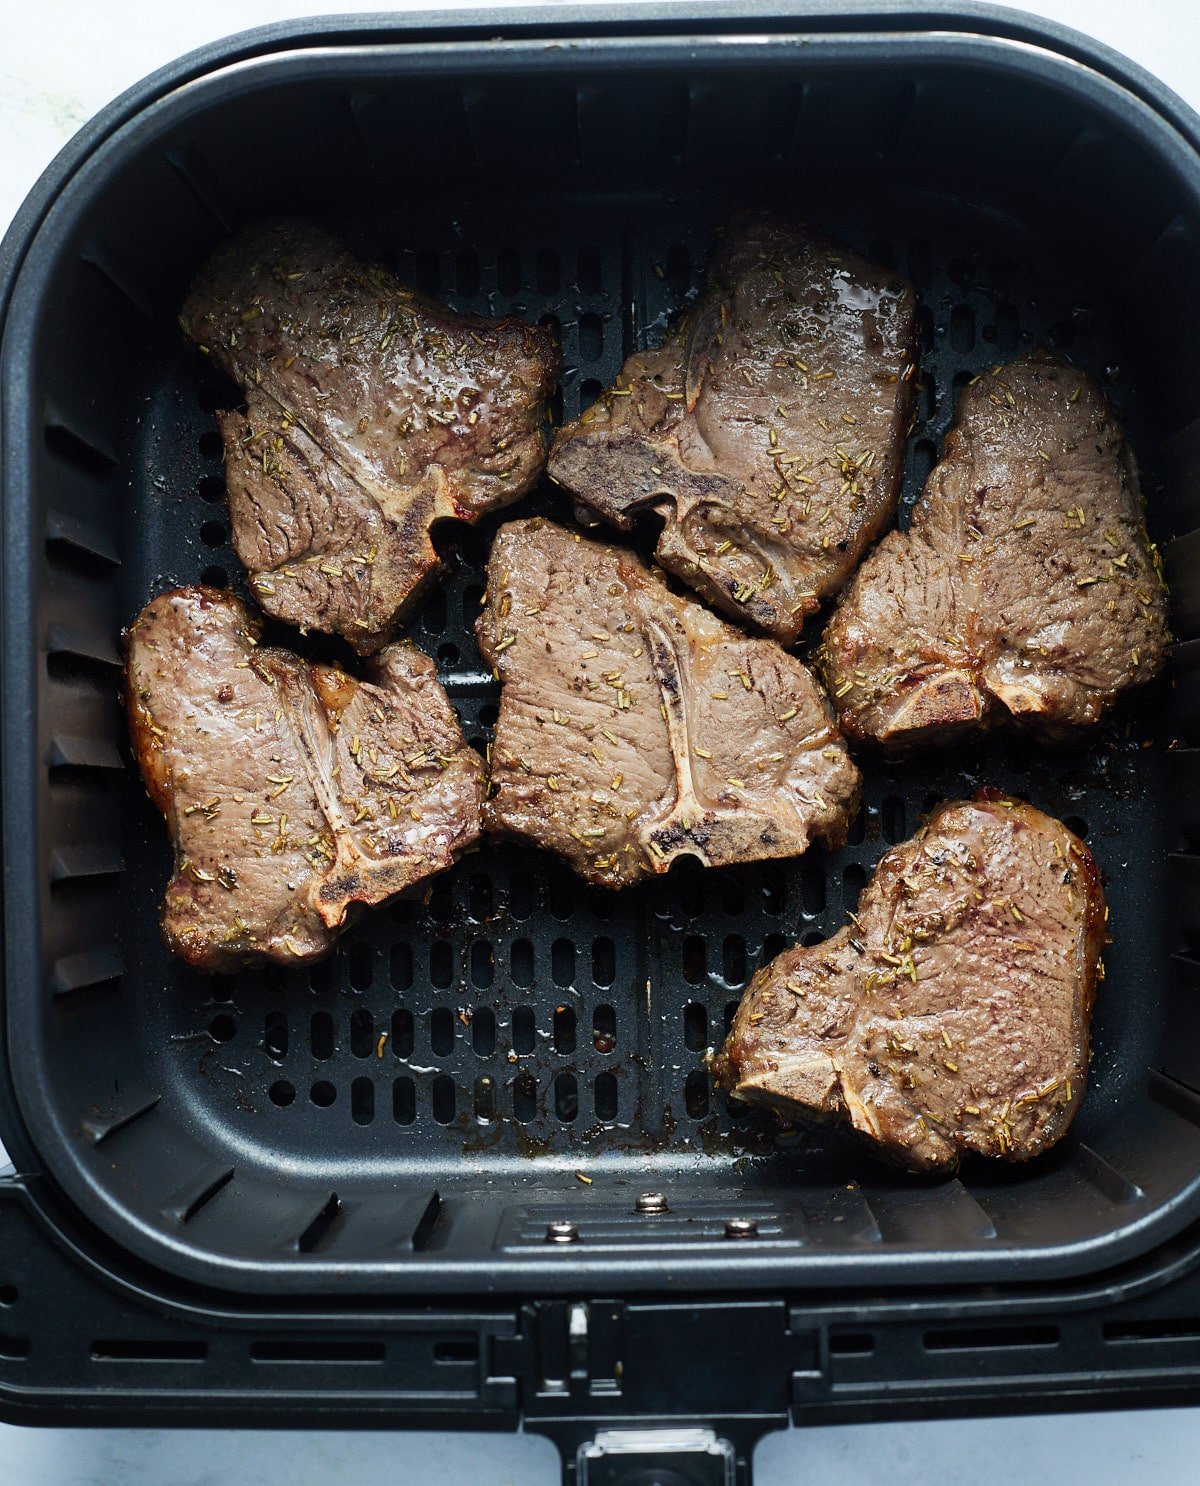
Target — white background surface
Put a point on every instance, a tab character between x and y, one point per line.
60	62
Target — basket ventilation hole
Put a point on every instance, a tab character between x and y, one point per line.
564	1029
589	391
606	1096
773	944
733	894
774	892
211	488
522	1029
360	959
562	962
483	1031
483	964
210	444
522	962
549	275
962	328
441	1031
441	964
508	271
520	895
466	273
485	1099
604	1028
694	957
404	1101
212	533
428	272
733	960
433	616
678	267
482	899
893	819
323	1093
320	1033
214	576
695	1094
854	879
1008	328
281	1093
275	1035
695	1026
362	1101
222	1028
401	967
588	272
362	1032
566	1097
524	1098
560	895
402	1033
1077	824
591	338
604	962
812	889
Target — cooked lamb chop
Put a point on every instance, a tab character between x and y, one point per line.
636	727
768	430
293	792
953	1016
1026	586
371	413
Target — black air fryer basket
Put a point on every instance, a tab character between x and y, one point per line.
413	1183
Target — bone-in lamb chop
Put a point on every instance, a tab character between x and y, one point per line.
371	413
953	1015
293	792
768	430
1026	586
635	726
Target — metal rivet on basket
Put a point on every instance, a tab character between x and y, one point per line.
741	1228
651	1202
562	1233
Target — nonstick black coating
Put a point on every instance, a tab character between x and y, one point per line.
509	1047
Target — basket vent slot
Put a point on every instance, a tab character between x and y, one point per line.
135	1349
851	1344
295	1350
977	1338
1154	1329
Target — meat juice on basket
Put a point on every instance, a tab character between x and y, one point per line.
634	726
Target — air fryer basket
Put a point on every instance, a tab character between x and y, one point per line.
511	1049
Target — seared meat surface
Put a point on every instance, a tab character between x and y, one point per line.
768	430
371	413
1026	586
292	792
953	1015
635	726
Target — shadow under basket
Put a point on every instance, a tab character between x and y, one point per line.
507	1049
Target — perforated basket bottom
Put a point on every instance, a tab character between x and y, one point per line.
508	1011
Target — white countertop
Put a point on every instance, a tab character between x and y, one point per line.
60	61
